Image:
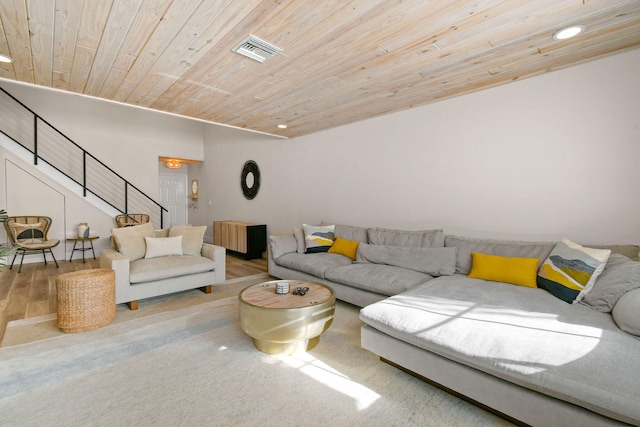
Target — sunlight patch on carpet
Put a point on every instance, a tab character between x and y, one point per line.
326	375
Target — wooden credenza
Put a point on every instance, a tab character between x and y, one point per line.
242	237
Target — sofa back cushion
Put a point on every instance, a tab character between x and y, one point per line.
432	261
465	245
130	240
620	275
283	244
192	237
350	232
408	239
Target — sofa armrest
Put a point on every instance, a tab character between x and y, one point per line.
219	255
114	260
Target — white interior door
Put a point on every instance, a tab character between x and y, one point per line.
173	196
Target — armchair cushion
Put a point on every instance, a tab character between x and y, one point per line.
163	246
130	240
192	237
150	269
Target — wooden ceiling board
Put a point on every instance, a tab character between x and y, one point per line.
220	67
92	22
361	62
119	26
6	68
173	20
67	17
342	60
41	31
16	31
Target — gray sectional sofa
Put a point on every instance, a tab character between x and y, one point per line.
516	350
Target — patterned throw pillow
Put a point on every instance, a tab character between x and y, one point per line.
571	270
318	238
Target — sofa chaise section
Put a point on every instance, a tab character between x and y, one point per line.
521	335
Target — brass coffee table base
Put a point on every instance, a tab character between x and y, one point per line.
285	348
285	324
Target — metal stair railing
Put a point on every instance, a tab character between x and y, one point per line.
19	123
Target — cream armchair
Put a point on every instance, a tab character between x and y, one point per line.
150	263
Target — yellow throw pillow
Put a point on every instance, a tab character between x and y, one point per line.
344	247
517	271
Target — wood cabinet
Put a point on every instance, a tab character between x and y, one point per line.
242	237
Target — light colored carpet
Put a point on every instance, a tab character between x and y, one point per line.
194	366
46	326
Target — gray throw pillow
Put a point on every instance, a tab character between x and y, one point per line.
625	312
620	275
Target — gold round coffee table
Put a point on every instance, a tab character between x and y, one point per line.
286	323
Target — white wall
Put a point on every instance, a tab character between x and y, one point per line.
539	159
129	140
27	190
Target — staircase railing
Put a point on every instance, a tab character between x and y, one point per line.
48	144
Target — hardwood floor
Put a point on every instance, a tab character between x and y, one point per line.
32	292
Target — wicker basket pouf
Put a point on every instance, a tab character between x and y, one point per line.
86	299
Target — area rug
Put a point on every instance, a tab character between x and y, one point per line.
195	366
46	326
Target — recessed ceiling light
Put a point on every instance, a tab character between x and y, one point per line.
4	58
282	126
567	33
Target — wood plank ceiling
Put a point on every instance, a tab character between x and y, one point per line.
342	60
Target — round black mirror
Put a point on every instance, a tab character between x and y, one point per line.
250	179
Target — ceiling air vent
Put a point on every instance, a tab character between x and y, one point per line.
255	48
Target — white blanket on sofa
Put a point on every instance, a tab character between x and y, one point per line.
522	335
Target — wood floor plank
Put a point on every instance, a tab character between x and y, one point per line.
32	292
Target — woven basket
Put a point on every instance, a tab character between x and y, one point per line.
86	299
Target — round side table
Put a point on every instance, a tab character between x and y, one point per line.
75	241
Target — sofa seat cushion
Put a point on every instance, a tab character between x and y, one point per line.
378	278
314	264
151	269
522	335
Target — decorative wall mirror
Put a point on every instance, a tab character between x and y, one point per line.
194	190
250	179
